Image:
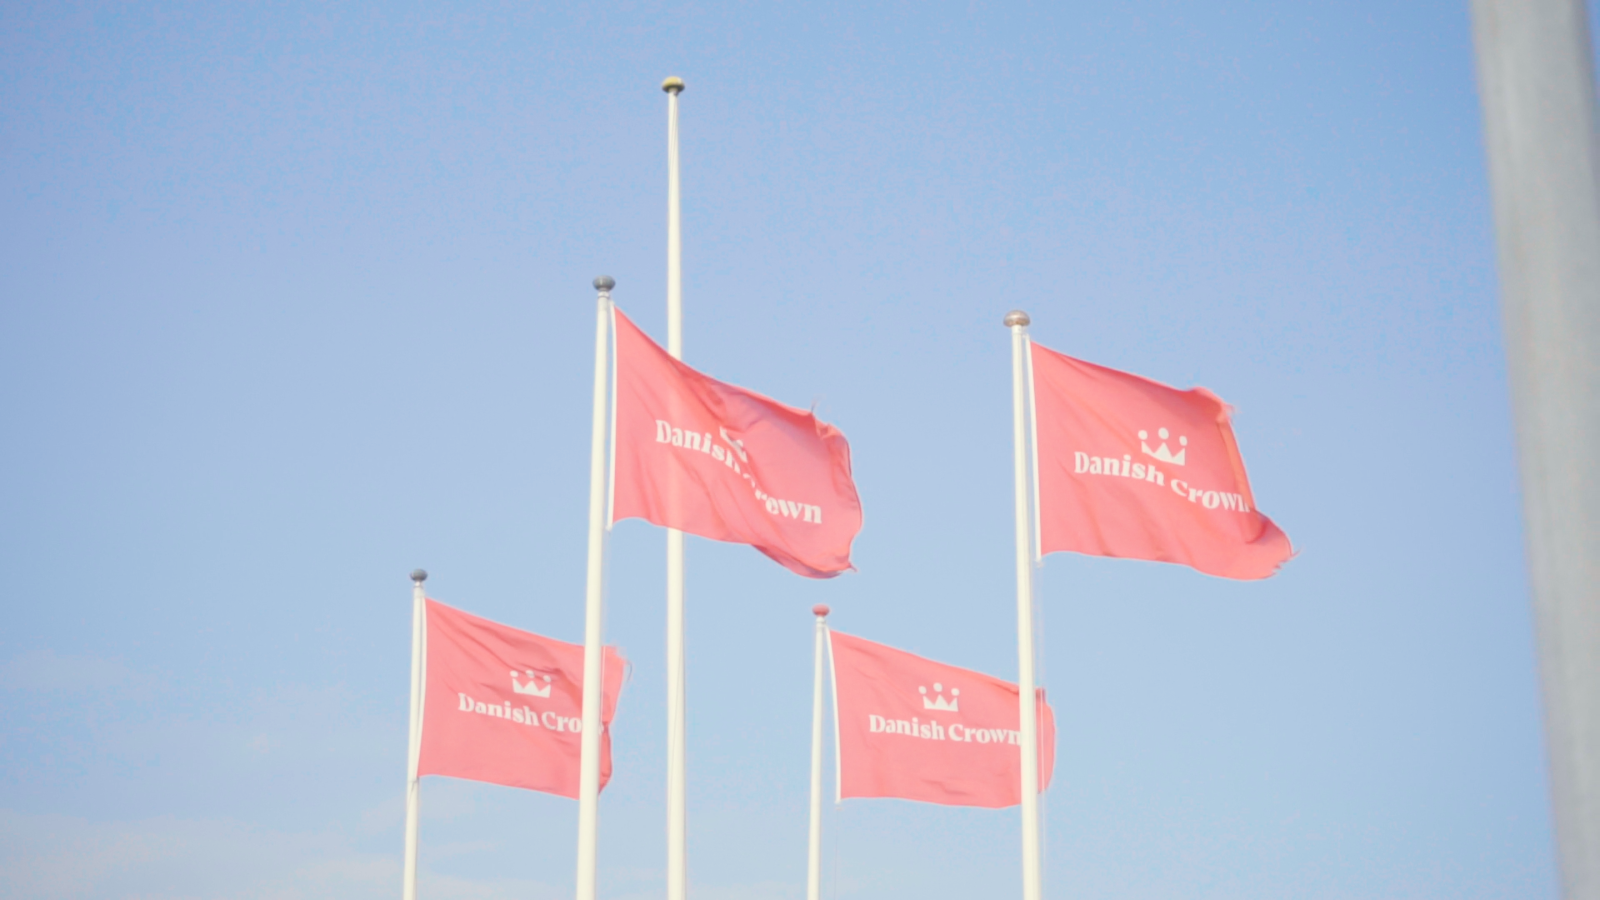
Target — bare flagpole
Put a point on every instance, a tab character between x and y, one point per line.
814	856
1536	81
677	842
408	889
1027	705
589	741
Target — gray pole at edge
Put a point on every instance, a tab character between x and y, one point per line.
1536	83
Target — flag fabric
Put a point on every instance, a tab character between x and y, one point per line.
712	459
506	706
1129	467
915	729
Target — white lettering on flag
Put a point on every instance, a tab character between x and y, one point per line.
667	433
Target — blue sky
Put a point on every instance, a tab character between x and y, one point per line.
296	299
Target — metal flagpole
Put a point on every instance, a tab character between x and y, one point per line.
589	741
677	844
418	601
1536	81
814	856
1027	707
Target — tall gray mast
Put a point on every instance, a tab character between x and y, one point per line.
1536	82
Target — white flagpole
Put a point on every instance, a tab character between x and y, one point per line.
814	856
1541	128
677	842
414	747
589	742
1027	707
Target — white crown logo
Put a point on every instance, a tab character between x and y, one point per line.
532	688
938	701
1161	452
738	446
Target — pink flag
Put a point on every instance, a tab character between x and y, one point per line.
912	728
1132	468
708	458
506	706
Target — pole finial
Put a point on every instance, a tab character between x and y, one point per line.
673	85
820	610
605	283
1017	317
419	575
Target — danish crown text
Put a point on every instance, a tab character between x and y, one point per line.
1124	467
520	715
731	453
937	731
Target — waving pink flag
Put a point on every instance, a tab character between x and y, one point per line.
506	706
916	729
1129	467
712	459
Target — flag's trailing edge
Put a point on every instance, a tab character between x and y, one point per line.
722	462
1128	467
506	706
912	728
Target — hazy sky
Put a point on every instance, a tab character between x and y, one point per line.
296	299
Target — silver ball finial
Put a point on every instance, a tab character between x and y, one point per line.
1016	317
419	576
605	283
673	85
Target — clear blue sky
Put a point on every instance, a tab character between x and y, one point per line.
296	298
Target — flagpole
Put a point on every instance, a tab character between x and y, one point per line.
414	743
1541	127
1027	705
677	843
589	741
814	856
